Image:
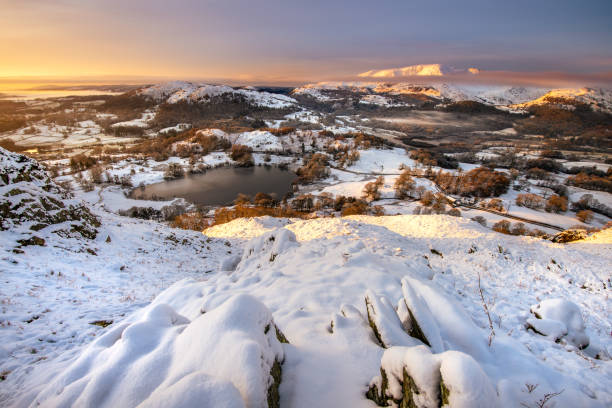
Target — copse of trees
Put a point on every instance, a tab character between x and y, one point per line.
588	202
429	158
591	182
479	182
315	168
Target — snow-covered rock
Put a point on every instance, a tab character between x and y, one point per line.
229	356
32	205
560	319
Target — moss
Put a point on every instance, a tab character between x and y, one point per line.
38	227
372	324
379	396
102	323
34	240
14	192
415	330
436	252
280	336
273	395
444	393
409	389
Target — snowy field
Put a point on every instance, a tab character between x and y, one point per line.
314	288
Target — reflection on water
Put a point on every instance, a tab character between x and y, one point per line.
220	186
27	95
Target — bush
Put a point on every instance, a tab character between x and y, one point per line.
585	216
264	200
242	199
81	162
519	229
556	204
356	207
494	204
173	171
195	221
478	182
502	226
532	201
481	220
242	155
427	198
455	212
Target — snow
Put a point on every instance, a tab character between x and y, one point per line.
142	122
381	161
163	352
323	282
567	315
259	140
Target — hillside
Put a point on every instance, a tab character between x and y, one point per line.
474	317
347	311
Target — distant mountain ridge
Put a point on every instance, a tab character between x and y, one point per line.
502	96
418	70
514	98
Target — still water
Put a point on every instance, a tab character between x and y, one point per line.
221	185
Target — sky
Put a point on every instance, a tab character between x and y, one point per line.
278	41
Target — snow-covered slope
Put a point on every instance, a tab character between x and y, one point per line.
418	70
349	295
181	91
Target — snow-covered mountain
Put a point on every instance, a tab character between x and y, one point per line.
512	97
182	91
418	70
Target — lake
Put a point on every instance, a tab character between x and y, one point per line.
221	185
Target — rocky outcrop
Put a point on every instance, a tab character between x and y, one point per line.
31	202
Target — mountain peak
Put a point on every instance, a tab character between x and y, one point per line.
418	70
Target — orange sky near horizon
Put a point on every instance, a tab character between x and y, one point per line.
281	41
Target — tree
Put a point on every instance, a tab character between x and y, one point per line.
264	200
502	226
529	200
404	185
242	199
370	191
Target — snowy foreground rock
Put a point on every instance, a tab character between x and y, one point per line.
381	311
228	357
